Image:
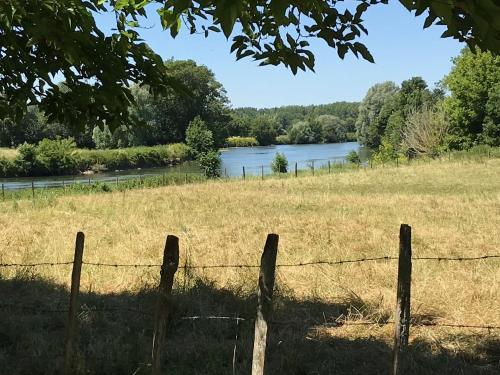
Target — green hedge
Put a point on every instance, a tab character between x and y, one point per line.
60	157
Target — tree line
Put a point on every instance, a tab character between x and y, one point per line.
411	119
461	112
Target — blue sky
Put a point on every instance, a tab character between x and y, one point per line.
397	40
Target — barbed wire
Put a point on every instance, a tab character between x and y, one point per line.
457	258
35	264
208	266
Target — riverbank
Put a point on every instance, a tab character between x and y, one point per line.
60	157
452	206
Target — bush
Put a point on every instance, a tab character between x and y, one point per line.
283	139
210	163
102	138
353	157
26	163
280	163
198	137
241	142
57	156
7	167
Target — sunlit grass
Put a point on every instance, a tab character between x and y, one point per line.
452	206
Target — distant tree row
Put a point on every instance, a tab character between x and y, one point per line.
461	112
297	124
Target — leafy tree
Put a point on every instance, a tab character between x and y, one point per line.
280	163
210	163
165	118
263	128
103	139
491	124
44	39
198	137
369	128
473	105
305	132
333	129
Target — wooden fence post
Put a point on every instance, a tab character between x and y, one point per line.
295	169
262	171
264	307
73	303
168	269
33	188
312	167
402	319
3	192
329	167
244	175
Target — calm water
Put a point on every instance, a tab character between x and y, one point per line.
254	158
233	160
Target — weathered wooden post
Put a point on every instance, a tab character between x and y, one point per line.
402	319
168	269
312	167
329	167
264	307
262	171
3	192
225	172
33	188
296	170
244	175
73	303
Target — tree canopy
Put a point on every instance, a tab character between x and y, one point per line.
45	41
473	107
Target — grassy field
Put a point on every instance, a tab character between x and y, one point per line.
453	207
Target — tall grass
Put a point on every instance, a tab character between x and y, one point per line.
452	206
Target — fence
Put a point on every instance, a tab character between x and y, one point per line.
311	166
263	320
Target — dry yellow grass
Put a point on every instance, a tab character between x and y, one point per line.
453	208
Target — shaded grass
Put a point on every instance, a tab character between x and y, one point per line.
453	207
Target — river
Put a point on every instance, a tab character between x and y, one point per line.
233	161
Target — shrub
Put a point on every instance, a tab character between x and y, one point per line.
102	138
210	163
280	163
26	162
7	167
57	156
426	131
198	137
283	139
353	157
242	141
